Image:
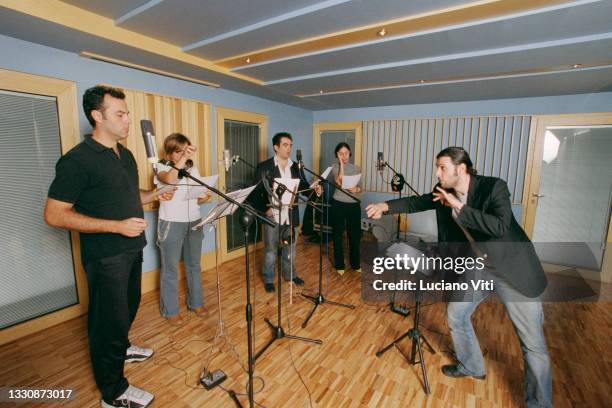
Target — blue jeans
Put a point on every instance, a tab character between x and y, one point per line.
174	239
271	249
527	317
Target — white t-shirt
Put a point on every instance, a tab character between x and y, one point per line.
178	209
285	172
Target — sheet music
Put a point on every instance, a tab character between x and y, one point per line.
286	198
324	175
224	207
350	181
198	191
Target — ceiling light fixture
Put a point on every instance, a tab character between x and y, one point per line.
422	81
127	64
381	33
248	60
320	91
577	66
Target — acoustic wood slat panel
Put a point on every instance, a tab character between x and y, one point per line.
168	115
497	146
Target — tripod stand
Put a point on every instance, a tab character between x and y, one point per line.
415	334
232	201
319	299
277	330
397	184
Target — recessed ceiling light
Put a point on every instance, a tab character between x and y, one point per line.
576	65
320	91
248	60
381	33
422	81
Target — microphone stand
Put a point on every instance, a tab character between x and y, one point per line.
319	299
398	186
417	337
245	221
237	158
277	331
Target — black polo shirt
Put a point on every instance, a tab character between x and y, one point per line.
100	185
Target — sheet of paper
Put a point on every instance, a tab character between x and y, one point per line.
286	198
323	175
350	181
224	207
198	191
163	188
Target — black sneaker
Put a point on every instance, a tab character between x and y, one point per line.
298	281
269	287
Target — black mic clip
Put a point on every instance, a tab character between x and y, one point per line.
397	182
280	190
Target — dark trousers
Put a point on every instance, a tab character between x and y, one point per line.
346	215
307	222
114	296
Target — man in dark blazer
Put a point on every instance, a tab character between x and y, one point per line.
476	211
278	166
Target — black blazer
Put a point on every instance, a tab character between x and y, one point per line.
260	199
488	218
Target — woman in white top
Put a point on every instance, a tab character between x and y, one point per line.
175	236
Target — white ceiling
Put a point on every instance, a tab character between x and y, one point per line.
524	50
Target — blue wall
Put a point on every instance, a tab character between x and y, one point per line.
600	102
36	59
41	60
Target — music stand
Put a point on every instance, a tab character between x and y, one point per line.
223	209
285	196
319	299
414	333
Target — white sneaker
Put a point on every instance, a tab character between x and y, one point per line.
133	397
135	353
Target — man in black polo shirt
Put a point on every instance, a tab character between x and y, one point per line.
95	192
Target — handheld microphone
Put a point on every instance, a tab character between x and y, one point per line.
148	135
227	159
380	163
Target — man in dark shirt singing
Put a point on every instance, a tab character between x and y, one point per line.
475	211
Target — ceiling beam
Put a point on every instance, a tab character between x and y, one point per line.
75	18
505	75
138	10
467	13
414	34
264	23
448	57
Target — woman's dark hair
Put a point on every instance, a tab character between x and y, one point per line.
93	99
458	156
340	146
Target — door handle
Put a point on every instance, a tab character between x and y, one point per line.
538	195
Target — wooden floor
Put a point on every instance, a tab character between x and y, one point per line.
343	372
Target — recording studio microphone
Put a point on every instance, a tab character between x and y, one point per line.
298	156
148	135
380	163
227	159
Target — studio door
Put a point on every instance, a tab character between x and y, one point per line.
569	193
